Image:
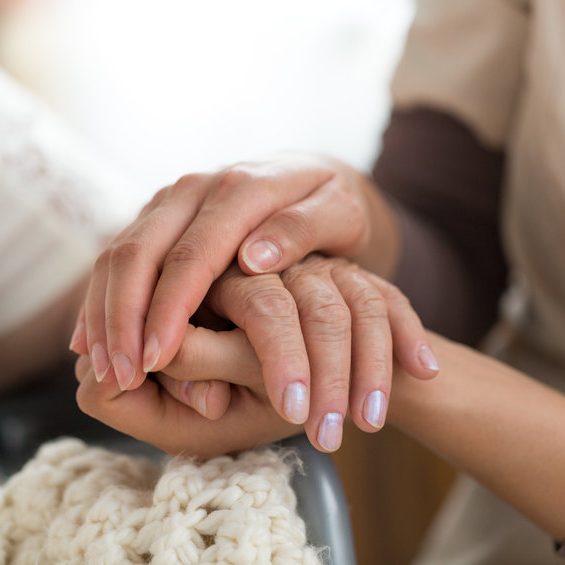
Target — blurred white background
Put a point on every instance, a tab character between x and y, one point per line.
164	87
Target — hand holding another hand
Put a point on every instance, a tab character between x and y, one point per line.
314	343
153	277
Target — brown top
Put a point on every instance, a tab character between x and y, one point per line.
496	67
446	186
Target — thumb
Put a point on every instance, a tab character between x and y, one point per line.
318	223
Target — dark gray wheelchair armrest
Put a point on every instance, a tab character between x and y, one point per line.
322	503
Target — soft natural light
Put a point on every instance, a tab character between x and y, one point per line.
164	87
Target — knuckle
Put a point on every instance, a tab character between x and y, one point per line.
337	388
157	198
125	252
298	223
269	302
186	252
305	273
328	319
397	298
233	177
184	183
103	260
368	303
381	367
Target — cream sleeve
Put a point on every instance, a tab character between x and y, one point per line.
57	204
465	58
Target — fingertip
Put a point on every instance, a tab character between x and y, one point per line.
218	399
296	403
428	363
151	353
78	343
374	409
330	432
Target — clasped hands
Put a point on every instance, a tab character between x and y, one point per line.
281	338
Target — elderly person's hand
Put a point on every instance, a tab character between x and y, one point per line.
269	215
324	329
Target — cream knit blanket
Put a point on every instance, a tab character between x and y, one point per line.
73	504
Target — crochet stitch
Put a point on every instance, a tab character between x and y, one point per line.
74	504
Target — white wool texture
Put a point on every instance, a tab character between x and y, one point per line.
75	504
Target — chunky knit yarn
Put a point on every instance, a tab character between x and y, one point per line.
74	504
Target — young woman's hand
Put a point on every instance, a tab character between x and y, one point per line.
320	339
154	275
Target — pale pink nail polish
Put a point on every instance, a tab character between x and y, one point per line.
375	409
427	358
78	334
151	353
261	255
295	403
331	429
100	361
123	367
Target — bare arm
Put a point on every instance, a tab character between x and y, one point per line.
42	341
500	426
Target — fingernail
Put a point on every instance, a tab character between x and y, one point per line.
185	391
77	336
375	408
198	400
329	436
100	361
201	400
295	403
151	353
261	255
123	367
427	358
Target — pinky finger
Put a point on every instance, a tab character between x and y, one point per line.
411	345
209	398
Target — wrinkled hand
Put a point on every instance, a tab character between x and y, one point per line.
321	337
155	274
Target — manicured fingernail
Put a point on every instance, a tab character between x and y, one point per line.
261	255
375	408
427	358
123	367
331	428
151	353
78	334
296	403
100	361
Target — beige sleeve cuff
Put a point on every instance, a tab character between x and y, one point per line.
465	57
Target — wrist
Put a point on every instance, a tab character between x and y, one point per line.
381	249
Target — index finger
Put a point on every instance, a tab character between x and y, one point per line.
241	199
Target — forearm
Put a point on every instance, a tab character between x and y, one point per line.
503	428
42	341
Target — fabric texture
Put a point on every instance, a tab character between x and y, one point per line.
497	66
446	187
74	504
57	205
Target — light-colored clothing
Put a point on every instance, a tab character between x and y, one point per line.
498	66
57	204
